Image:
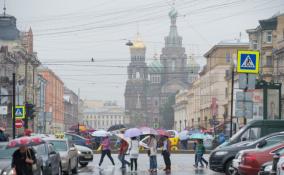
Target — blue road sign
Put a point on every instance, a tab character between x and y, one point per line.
248	62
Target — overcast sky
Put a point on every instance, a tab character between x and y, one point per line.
68	33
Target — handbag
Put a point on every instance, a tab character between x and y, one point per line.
34	166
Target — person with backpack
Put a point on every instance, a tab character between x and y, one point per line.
134	153
199	151
152	144
166	147
122	152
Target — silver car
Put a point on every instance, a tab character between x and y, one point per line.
85	155
68	154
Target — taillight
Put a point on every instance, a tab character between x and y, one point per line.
88	142
249	160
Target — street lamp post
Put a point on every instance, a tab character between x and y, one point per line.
185	123
180	125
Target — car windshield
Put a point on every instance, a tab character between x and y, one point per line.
234	137
7	153
59	145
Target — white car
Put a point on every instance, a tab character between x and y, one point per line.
280	165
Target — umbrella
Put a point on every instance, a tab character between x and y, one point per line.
183	135
121	136
25	141
132	132
162	132
116	127
100	133
197	136
148	131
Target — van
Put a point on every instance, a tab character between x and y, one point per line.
255	130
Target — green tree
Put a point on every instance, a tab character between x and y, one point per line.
167	113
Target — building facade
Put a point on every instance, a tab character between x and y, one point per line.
104	117
70	108
149	86
54	104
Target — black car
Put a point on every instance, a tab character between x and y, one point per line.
220	159
51	159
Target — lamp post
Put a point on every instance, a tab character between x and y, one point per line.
180	125
185	124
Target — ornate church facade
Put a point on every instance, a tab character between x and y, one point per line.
150	85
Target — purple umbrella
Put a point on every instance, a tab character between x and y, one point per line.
132	132
148	131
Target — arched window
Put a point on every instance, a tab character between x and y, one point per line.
137	75
173	65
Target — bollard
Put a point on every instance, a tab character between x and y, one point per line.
274	164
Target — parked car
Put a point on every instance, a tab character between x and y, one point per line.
68	154
6	159
280	165
255	130
221	159
174	139
78	140
51	159
265	168
85	155
252	159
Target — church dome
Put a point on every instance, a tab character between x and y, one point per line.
173	13
138	43
155	67
192	65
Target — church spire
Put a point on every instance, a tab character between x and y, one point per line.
173	39
4	8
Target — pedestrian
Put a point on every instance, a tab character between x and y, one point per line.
134	153
184	144
23	160
152	144
3	137
199	151
122	152
166	153
106	151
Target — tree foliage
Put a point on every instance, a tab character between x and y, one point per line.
167	113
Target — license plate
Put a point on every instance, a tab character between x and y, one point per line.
88	157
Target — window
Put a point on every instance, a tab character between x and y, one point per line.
268	37
173	65
254	44
228	57
155	78
273	140
269	61
251	134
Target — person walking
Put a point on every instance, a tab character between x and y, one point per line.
152	144
134	153
122	152
166	153
22	161
106	151
199	151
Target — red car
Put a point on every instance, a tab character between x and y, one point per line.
252	159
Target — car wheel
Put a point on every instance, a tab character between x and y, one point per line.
75	170
230	170
83	164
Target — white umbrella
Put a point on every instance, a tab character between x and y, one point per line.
101	133
183	135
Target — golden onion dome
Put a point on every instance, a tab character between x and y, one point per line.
138	43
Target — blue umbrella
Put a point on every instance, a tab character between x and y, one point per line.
132	132
197	136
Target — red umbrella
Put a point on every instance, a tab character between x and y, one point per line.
25	141
162	132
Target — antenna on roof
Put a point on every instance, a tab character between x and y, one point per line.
4	8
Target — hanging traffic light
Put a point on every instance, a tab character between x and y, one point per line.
30	110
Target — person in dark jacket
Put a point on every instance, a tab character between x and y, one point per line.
166	147
22	161
199	151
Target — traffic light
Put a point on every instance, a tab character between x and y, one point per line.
30	110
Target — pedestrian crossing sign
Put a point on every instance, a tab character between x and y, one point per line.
248	62
20	112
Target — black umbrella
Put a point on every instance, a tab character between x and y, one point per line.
116	127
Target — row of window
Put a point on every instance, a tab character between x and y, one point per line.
104	117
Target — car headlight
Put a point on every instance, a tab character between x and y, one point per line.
221	153
268	168
79	152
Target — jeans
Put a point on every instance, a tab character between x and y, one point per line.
133	162
200	159
104	153
153	162
121	157
167	160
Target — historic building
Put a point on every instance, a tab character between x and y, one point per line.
149	86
